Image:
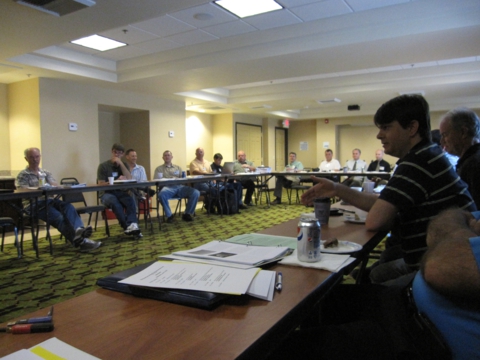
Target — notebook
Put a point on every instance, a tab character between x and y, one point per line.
228	168
193	298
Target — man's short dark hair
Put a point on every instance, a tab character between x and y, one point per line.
405	109
464	118
329	150
294	153
217	156
436	136
118	147
129	151
359	151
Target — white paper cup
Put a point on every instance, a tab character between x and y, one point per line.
159	175
368	186
110	180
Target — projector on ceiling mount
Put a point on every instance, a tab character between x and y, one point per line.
353	107
57	7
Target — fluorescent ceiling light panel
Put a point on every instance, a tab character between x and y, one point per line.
98	42
244	8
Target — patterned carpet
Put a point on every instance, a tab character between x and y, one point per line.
29	283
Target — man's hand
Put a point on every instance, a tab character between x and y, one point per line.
116	160
323	188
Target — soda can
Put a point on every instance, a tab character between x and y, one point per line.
308	240
184	174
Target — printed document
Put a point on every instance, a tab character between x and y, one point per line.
236	253
193	276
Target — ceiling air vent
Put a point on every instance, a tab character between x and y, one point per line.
334	100
57	7
261	107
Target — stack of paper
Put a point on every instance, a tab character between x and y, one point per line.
236	253
206	277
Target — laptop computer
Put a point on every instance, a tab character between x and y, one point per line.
228	168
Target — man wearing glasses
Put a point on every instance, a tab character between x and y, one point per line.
121	203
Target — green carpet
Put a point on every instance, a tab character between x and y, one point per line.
29	283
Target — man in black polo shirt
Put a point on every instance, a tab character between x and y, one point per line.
422	185
120	201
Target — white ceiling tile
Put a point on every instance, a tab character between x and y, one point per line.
163	26
126	52
192	37
158	45
128	35
321	10
292	3
361	5
229	29
272	19
204	15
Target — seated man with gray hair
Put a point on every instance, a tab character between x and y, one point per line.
61	215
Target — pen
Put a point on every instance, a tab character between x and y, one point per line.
34	320
28	328
278	285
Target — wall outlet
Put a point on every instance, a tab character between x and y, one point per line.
72	127
171	134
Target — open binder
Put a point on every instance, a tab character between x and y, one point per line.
199	299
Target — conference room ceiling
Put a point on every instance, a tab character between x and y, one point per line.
310	60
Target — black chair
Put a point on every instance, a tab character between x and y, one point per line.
298	187
77	197
261	188
144	206
4	223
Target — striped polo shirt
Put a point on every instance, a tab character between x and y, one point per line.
424	184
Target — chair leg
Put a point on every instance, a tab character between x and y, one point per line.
3	236
107	229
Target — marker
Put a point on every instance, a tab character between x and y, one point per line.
35	320
28	328
278	285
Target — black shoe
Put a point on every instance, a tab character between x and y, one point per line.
242	207
170	219
250	204
277	201
187	217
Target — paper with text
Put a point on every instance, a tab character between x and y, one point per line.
192	276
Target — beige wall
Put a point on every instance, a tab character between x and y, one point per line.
4	132
24	121
199	134
223	136
304	132
109	127
135	134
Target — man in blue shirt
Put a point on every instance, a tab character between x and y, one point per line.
438	317
287	181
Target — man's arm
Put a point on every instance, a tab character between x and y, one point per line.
50	179
381	214
449	265
102	175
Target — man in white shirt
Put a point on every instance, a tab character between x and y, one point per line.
329	164
356	164
138	173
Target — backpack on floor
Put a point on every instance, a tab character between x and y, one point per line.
228	202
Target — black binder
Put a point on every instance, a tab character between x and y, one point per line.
198	299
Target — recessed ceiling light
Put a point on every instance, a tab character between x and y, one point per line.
98	42
244	8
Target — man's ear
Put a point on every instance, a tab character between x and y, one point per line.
413	127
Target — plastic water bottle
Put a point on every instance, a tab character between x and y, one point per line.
41	179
